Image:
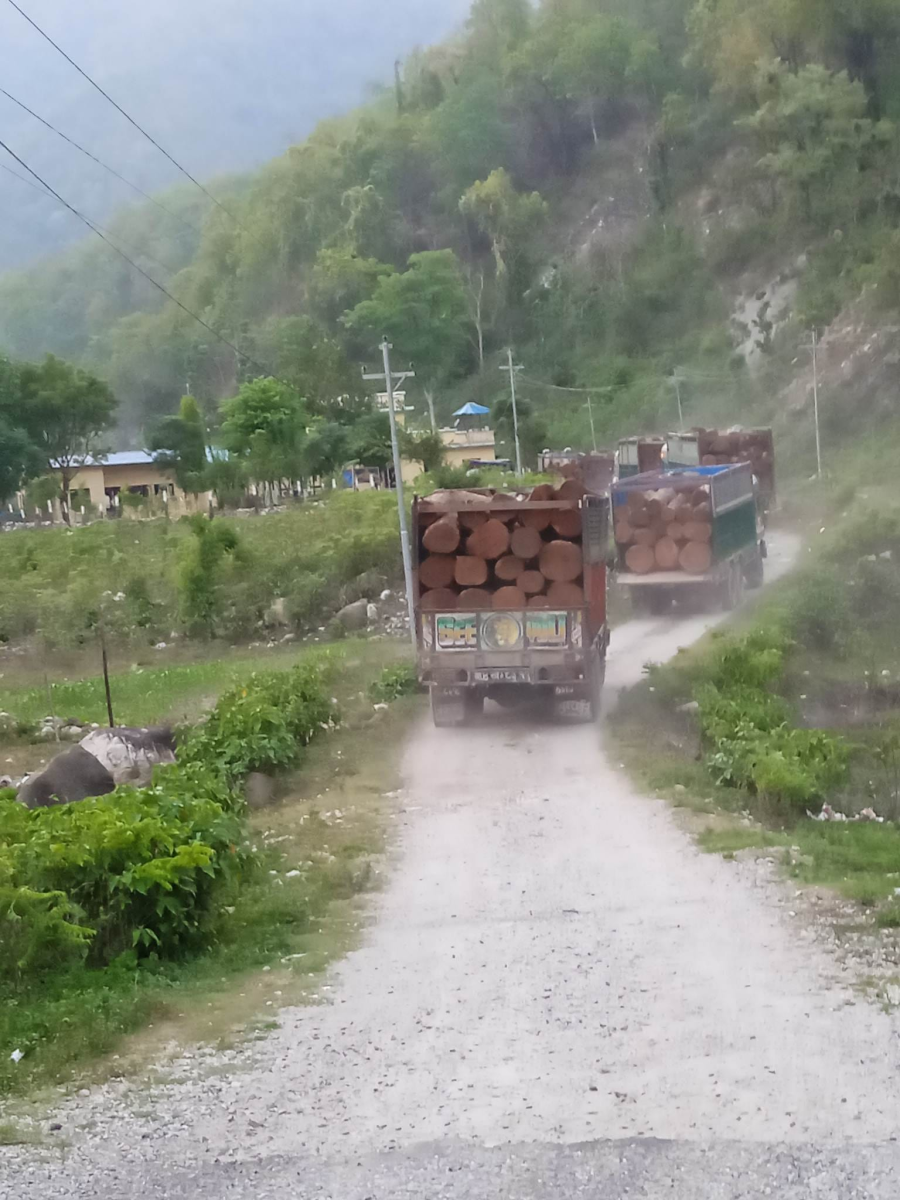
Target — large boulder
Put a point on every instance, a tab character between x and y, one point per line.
354	616
73	775
130	754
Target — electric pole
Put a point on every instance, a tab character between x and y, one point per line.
676	379
512	392
590	408
389	381
815	366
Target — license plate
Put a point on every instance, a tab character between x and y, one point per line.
502	675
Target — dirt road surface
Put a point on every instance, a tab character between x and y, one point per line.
558	997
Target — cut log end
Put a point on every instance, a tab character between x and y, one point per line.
561	561
474	598
526	542
509	568
640	559
695	558
509	597
565	595
531	582
438	600
490	541
469	571
437	570
443	536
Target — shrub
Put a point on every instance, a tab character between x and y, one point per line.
819	614
748	733
263	724
139	869
399	680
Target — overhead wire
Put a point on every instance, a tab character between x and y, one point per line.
159	287
99	161
118	107
50	196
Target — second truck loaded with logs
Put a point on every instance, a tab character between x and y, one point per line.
687	534
511	598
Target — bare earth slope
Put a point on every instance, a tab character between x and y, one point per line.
559	996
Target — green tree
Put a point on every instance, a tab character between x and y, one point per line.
265	426
179	446
341	279
200	569
812	129
423	447
20	457
512	221
65	412
423	311
326	450
370	442
532	428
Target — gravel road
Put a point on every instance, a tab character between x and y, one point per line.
558	996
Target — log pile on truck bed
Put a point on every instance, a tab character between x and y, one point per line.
665	529
718	447
482	550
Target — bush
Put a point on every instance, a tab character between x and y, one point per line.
395	681
139	869
748	733
263	724
145	870
819	614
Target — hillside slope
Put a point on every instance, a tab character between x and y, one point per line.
223	86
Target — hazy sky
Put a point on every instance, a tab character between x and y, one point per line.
222	84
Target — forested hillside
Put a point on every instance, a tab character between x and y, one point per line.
641	198
222	84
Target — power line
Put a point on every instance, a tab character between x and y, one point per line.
159	287
94	158
50	196
120	109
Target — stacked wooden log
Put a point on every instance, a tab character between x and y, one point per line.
718	447
665	530
488	551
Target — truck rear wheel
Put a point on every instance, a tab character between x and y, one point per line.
754	571
732	587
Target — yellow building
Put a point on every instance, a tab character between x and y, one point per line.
103	484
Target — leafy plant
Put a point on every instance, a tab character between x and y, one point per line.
395	681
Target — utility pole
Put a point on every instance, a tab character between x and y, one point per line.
389	381
590	408
429	397
676	379
512	391
815	365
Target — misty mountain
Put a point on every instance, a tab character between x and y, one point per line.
223	85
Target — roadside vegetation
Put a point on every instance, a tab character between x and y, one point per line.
199	579
793	712
128	909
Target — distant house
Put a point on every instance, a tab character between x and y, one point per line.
102	482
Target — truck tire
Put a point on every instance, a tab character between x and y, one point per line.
597	679
754	573
732	587
474	705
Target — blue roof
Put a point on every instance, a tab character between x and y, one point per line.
472	410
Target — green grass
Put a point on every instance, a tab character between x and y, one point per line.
858	859
55	579
70	1021
143	695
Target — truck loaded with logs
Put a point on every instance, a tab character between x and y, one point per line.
511	598
692	534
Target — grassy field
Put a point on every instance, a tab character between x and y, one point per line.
57	581
143	695
318	843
